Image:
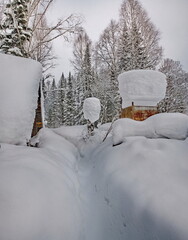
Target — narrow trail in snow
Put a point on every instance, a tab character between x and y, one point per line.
94	203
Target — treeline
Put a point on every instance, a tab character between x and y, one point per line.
130	43
62	102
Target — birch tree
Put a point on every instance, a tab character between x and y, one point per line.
143	38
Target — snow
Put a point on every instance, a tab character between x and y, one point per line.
19	83
139	189
39	191
166	125
91	109
136	190
143	87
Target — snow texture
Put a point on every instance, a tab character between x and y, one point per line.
39	190
163	125
143	87
19	83
136	191
91	109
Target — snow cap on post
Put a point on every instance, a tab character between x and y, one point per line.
143	87
91	109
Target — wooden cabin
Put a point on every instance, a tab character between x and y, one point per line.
141	90
138	113
38	116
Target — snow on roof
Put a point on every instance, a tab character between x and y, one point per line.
91	109
19	83
143	87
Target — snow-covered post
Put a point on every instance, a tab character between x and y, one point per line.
91	109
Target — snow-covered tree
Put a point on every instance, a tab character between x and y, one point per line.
177	91
87	76
53	113
107	63
124	50
82	64
15	33
139	38
2	7
62	99
70	108
138	51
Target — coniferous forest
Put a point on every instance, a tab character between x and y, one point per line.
130	42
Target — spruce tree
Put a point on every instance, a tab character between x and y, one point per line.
69	101
15	33
87	73
62	99
53	117
138	56
124	50
106	55
176	92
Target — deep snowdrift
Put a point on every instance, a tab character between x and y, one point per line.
136	190
19	83
139	190
39	197
165	125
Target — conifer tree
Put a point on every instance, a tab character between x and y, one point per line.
53	119
87	76
84	80
14	30
176	92
139	38
69	102
124	50
138	56
106	53
62	98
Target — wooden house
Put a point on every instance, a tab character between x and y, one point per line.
138	113
141	91
38	116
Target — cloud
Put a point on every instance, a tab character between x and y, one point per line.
169	16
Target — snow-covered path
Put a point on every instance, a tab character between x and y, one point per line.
135	191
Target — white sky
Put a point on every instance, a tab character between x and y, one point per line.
169	16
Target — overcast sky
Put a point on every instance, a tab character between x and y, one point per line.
169	16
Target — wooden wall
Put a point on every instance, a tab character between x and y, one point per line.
38	116
138	113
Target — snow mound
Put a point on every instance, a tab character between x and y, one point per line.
163	125
143	87
140	190
51	140
91	109
19	83
39	191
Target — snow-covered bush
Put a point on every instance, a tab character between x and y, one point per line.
19	83
91	109
163	125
